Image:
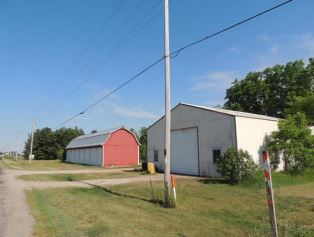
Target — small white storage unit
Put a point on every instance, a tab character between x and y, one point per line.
200	134
86	156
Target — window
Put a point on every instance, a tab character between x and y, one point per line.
216	155
156	155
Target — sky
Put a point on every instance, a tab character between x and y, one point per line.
57	57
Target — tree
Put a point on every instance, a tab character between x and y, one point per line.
143	141
294	141
273	90
305	105
50	145
236	165
63	136
248	94
94	131
135	133
44	146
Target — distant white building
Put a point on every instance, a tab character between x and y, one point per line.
200	134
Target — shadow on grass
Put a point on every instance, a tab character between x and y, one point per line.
212	181
153	201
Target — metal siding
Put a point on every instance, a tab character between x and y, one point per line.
184	151
99	156
215	130
251	134
86	156
93	156
121	149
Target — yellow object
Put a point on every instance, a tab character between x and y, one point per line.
151	168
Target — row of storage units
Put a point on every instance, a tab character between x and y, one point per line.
86	156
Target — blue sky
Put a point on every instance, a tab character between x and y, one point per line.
40	41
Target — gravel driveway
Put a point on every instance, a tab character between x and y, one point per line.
1	206
18	220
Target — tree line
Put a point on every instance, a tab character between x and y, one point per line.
277	91
49	144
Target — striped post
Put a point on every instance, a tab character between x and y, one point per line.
270	194
173	184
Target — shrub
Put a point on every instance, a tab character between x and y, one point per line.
236	165
295	142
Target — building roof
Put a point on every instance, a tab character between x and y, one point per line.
234	113
224	111
94	139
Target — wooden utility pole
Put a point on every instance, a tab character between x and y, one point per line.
31	156
167	151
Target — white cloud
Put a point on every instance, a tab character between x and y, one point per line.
133	112
216	79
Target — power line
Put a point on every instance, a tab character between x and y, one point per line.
178	51
135	30
173	54
121	26
76	62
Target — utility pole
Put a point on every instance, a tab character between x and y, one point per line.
167	151
31	156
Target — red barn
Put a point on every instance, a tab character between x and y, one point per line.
114	147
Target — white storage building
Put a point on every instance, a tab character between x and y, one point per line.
200	134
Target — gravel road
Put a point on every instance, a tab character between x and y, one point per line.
1	206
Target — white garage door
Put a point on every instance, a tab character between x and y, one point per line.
184	151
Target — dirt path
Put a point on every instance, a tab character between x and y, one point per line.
18	220
1	207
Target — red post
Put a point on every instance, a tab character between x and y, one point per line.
270	193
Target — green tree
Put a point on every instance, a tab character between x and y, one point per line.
273	90
247	95
143	141
94	131
135	133
294	141
305	105
44	147
63	136
50	145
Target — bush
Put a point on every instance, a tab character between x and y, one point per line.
236	165
295	142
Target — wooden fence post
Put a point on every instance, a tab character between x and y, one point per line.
270	193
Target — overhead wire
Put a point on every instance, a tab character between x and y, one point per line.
79	58
134	31
173	54
91	60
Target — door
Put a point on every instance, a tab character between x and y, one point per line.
184	151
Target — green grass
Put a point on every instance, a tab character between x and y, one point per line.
203	209
76	177
281	179
42	165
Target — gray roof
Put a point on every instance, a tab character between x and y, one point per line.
94	139
224	111
233	113
90	140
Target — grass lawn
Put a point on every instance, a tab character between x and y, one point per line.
75	177
42	165
203	209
